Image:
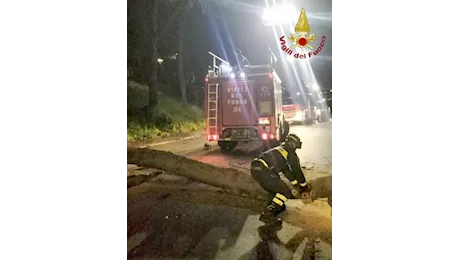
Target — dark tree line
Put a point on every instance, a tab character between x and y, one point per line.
176	32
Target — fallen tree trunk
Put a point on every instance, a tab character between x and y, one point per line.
315	217
231	179
226	178
322	187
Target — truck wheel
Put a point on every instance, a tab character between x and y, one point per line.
227	146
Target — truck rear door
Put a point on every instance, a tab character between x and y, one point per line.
238	105
265	98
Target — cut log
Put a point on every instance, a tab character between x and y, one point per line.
322	187
226	178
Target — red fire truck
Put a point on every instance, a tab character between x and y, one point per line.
243	105
296	113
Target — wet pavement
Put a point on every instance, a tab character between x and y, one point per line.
316	149
165	228
169	229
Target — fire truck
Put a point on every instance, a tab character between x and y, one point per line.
295	113
243	105
298	114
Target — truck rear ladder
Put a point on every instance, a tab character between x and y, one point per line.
213	99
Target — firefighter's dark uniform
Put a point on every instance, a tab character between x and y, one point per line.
265	169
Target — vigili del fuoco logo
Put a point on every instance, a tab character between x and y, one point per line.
302	38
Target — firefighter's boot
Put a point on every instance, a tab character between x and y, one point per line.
268	233
280	210
268	216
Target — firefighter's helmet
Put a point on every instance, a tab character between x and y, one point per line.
294	141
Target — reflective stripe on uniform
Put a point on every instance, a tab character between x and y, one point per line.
281	197
294	182
262	162
294	138
282	151
303	184
278	201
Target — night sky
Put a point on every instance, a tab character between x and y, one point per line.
222	26
238	24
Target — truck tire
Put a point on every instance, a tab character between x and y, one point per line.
227	146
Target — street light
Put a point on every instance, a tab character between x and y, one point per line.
298	93
173	57
160	60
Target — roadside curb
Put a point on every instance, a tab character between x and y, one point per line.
172	141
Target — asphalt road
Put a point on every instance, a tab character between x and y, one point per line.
169	229
316	143
316	149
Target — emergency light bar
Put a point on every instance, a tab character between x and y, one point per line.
241	75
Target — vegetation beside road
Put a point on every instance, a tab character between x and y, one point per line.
173	116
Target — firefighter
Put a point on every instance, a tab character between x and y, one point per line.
265	170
